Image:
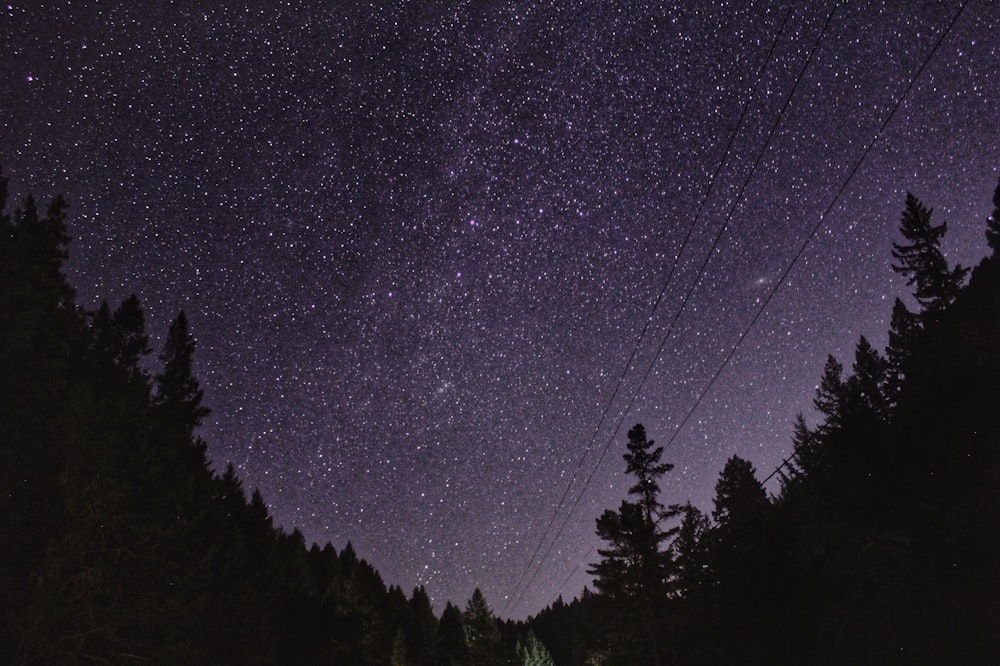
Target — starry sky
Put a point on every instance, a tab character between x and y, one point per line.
417	242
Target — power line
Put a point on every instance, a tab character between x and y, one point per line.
812	234
660	297
690	291
822	219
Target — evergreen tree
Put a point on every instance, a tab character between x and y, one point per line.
533	653
831	394
904	329
421	628
41	412
740	500
482	635
692	552
398	657
866	387
993	223
618	574
635	569
176	386
643	462
805	449
921	261
451	647
120	339
742	558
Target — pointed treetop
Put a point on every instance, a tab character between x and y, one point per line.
831	392
868	384
643	462
176	386
120	339
920	259
738	493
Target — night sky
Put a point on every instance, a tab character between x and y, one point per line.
417	245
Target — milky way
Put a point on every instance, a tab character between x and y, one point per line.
417	244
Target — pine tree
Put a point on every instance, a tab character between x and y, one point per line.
831	393
120	339
921	260
805	448
739	497
532	652
993	223
482	635
398	656
451	647
643	462
740	515
176	386
904	329
635	569
41	415
866	387
691	551
420	628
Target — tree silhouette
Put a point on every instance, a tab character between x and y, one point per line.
176	386
993	223
533	653
904	329
451	647
635	570
920	258
482	635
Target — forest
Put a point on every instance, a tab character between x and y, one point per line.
120	543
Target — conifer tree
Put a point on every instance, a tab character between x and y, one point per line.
532	652
866	387
120	339
740	515
831	392
691	551
482	635
635	569
643	462
739	497
805	448
635	561
451	647
176	386
993	223
398	656
921	261
904	329
420	628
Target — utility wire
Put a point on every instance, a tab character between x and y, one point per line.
687	296
649	319
822	219
659	298
813	233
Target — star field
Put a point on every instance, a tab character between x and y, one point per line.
417	244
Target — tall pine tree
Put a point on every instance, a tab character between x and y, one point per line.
635	570
176	387
920	258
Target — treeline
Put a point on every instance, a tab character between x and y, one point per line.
118	544
883	544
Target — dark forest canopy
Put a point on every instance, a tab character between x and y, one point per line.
121	545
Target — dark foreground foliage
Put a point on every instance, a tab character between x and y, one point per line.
883	545
119	544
